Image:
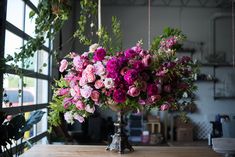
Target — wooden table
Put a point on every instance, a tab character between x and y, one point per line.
99	151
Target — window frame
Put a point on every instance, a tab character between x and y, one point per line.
5	25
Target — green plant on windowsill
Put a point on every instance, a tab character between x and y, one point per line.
13	130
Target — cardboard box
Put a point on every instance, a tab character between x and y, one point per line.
184	134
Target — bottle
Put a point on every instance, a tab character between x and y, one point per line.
145	137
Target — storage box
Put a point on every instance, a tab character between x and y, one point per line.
184	134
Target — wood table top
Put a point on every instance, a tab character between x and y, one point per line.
99	151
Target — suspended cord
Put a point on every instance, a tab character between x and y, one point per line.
233	33
149	23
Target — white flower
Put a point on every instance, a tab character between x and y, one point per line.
68	116
89	109
108	83
99	68
93	47
86	91
78	117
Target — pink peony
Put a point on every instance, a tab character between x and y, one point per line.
86	91
131	76
63	91
78	62
63	65
89	69
95	95
80	105
79	118
130	53
165	107
99	54
99	84
123	71
90	109
133	91
83	81
147	60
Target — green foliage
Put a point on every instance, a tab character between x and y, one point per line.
87	14
49	19
113	41
167	32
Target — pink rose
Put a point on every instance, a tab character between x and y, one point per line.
90	77
95	95
147	60
165	107
124	70
90	68
80	105
99	84
82	81
78	62
63	65
133	91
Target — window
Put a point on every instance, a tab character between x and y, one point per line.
27	92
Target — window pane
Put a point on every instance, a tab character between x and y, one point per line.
15	13
42	125
42	91
12	92
43	60
12	44
29	23
35	2
30	63
29	91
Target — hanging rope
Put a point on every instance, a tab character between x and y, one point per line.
149	23
233	33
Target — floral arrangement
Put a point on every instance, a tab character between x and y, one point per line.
133	79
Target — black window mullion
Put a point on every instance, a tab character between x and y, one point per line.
31	5
21	34
27	73
3	7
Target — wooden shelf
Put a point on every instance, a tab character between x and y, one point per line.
216	64
223	97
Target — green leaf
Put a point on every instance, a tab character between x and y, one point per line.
31	14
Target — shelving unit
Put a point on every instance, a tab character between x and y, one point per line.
215	66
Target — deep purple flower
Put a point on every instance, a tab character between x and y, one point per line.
129	53
138	65
169	64
119	95
167	88
130	76
185	59
99	54
152	89
112	65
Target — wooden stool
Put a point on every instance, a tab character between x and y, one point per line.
154	127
